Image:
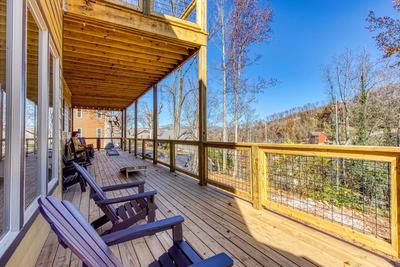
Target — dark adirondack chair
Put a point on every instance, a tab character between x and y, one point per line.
134	208
90	147
110	150
82	155
75	233
70	174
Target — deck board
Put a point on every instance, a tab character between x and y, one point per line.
214	222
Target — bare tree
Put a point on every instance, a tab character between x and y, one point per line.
388	39
249	25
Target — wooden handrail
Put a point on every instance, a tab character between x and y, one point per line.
188	10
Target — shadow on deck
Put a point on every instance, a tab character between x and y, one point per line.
214	222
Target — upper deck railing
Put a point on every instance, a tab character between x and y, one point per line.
182	9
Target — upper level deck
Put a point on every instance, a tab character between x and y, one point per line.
116	49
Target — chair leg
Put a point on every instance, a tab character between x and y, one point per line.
151	215
100	222
82	183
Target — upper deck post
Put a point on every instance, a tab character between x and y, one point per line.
201	11
155	123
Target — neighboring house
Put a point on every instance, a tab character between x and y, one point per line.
92	124
89	123
318	138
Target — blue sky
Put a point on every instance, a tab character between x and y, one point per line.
306	34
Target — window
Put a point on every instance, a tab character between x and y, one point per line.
3	115
79	113
98	115
80	131
32	182
98	132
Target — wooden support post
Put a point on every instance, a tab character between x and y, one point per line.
147	6
130	145
201	11
98	143
172	162
136	129
72	121
257	177
155	123
124	128
143	149
395	206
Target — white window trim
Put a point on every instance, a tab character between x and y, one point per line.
97	131
14	119
43	104
56	114
80	130
79	111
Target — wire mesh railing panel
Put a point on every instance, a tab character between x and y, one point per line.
134	3
148	149
230	167
139	147
171	7
187	158
351	192
163	152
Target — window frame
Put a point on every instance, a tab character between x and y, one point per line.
80	130
19	218
79	114
97	132
56	114
43	103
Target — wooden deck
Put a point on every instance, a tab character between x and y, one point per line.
214	222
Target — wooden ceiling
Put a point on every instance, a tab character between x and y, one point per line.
108	64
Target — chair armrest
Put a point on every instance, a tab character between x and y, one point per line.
221	260
126	198
123	186
143	230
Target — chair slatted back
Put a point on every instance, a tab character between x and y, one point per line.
75	233
99	194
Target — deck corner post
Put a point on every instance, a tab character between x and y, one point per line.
201	20
256	180
130	146
395	209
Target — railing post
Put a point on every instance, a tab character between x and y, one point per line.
155	123
136	127
172	162
257	178
98	143
129	146
143	149
395	235
147	6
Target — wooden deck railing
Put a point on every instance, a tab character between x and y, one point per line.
350	191
181	9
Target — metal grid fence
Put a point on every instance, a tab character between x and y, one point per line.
163	152
187	158
171	7
230	168
148	148
351	192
